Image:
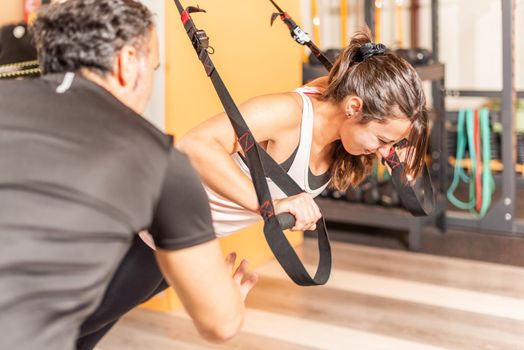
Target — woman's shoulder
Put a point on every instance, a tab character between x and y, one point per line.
287	99
277	105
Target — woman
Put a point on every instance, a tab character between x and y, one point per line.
328	132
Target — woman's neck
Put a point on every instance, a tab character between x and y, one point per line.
320	83
329	117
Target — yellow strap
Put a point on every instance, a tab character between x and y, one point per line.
20	73
316	22
378	19
19	64
343	23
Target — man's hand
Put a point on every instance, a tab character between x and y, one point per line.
212	293
244	280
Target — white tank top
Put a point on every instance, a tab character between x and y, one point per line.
229	217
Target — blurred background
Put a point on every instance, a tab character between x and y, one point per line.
450	280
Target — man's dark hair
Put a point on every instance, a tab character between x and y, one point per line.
88	34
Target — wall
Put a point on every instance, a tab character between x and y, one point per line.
155	111
252	58
11	11
471	33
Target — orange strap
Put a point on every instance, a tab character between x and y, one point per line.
478	168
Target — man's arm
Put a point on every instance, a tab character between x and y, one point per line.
212	297
190	257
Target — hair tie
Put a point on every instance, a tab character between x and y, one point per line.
370	49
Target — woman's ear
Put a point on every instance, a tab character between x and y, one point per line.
353	106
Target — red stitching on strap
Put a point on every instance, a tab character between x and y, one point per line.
266	210
184	16
389	159
246	142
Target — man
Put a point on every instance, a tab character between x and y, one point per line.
81	172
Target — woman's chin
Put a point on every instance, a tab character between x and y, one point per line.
354	151
360	152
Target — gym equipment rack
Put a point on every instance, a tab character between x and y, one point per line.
501	217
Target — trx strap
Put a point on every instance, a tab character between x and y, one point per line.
300	36
418	199
280	246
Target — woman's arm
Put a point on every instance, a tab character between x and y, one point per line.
271	118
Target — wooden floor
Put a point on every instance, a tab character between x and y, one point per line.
375	299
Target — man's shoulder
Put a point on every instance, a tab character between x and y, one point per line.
7	85
181	162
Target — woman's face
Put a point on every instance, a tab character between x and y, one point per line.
373	137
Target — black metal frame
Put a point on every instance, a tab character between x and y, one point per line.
501	217
479	93
438	149
369	14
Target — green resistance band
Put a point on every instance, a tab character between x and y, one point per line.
465	131
470	134
488	183
459	174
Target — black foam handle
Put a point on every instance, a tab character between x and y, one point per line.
286	220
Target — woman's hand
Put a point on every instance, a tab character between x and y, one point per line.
303	208
244	280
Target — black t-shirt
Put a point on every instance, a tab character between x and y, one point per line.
80	174
182	217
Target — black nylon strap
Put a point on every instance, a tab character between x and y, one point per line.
300	36
418	199
280	246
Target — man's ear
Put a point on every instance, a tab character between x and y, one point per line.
126	66
353	105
